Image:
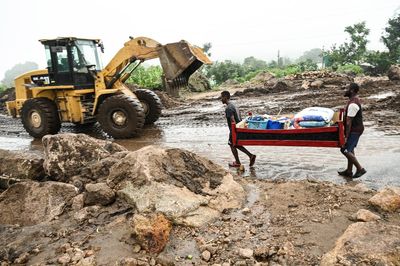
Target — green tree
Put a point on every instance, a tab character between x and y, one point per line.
379	60
354	51
222	71
17	70
252	64
391	39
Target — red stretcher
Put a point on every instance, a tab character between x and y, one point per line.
332	136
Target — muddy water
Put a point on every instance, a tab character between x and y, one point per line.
377	152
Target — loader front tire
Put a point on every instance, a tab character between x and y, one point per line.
121	116
151	104
40	117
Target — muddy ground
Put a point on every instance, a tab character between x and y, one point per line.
282	222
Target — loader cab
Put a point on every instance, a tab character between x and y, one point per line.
72	61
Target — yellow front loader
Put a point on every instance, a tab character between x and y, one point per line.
74	88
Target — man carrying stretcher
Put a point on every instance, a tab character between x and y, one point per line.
232	114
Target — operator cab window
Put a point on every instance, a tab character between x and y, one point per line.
85	55
62	58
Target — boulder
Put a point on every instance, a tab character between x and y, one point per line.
186	188
29	203
198	82
367	243
151	232
387	199
282	85
317	84
394	72
99	194
66	154
21	165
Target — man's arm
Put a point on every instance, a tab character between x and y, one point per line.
349	121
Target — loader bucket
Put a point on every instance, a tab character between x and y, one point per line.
179	61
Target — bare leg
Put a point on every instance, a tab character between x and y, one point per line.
244	150
349	162
235	153
353	160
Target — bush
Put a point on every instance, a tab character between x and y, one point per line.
150	77
350	68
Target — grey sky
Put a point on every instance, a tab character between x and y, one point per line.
236	29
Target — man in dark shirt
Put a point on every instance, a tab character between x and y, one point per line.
354	127
233	114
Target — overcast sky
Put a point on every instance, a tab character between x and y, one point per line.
236	29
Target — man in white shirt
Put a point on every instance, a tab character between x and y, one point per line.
354	127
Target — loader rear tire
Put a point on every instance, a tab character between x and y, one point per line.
121	116
40	117
151	104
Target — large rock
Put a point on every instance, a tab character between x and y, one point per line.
30	202
394	72
151	232
387	199
198	82
21	165
368	243
67	154
186	188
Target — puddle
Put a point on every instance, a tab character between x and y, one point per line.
377	152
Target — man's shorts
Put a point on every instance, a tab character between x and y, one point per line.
351	143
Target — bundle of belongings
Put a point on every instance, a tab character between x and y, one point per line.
308	118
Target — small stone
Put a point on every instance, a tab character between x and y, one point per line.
206	255
63	248
245	253
64	260
152	262
136	248
89	253
246	211
241	263
366	216
35	251
77	202
23	258
226	240
226	264
89	261
129	262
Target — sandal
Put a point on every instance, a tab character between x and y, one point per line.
345	173
234	164
252	160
